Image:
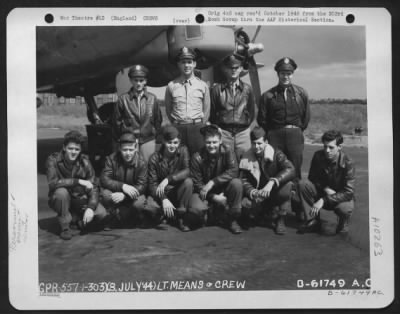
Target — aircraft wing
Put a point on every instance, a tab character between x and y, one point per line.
73	59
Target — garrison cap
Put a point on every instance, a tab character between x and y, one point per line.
170	132
138	70
185	53
256	133
232	60
285	64
127	137
211	128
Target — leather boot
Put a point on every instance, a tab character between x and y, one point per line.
234	227
280	227
181	225
66	234
343	223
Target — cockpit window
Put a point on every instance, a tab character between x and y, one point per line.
193	32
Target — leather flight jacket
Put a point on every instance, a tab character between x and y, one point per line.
142	118
117	172
266	107
176	170
58	176
339	177
274	165
221	168
232	113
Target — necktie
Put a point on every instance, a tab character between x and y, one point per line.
285	94
233	89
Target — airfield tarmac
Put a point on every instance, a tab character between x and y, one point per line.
257	259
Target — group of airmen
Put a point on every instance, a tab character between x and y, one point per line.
220	161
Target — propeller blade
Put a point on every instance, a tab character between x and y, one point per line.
254	79
256	33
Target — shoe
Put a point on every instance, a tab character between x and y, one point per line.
107	228
343	224
280	227
182	227
312	225
66	234
235	228
300	217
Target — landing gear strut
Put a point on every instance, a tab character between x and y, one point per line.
92	110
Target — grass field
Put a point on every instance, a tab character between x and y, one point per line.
344	117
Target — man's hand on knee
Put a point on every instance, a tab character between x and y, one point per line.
88	216
168	208
117	197
220	199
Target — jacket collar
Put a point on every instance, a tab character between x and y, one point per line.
280	88
250	156
341	161
183	80
133	94
238	85
250	163
61	158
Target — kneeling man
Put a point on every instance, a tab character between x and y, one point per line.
266	174
169	181
124	181
73	189
330	185
215	179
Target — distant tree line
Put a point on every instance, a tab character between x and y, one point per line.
336	101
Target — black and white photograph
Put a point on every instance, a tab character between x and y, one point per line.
231	154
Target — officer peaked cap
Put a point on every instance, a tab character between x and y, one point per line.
138	70
185	53
232	60
285	64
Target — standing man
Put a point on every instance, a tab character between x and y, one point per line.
284	114
138	112
330	185
169	181
187	101
266	175
73	189
124	181
233	107
215	172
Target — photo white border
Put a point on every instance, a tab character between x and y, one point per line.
22	171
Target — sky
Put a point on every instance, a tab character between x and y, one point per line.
331	59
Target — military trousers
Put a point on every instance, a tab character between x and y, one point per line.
278	203
233	192
191	136
126	211
179	195
291	142
239	142
69	208
309	195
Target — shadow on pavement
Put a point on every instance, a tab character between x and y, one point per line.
50	225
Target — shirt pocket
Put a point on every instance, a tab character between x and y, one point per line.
179	95
197	94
